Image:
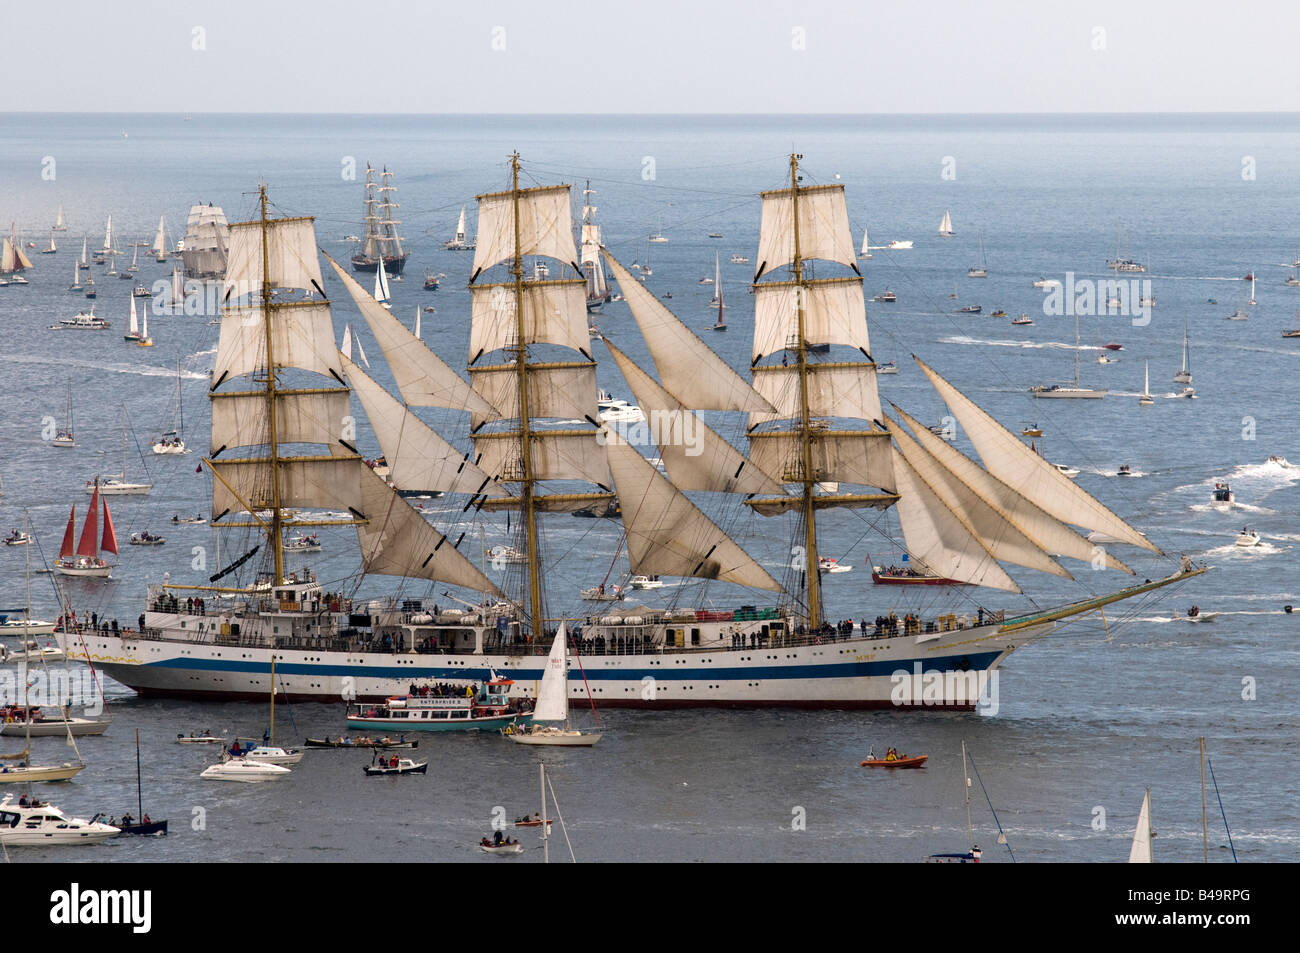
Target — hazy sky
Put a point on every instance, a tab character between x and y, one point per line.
649	56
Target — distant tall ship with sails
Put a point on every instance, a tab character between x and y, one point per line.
819	442
207	242
598	292
381	241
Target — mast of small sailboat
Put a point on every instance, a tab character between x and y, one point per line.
965	783
546	828
139	782
1205	830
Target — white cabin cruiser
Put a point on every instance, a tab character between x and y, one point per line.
37	822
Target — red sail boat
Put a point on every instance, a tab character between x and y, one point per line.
86	560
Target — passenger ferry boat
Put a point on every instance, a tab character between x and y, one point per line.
489	708
221	641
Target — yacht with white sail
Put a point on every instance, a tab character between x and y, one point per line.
1184	375
982	269
549	455
172	442
118	485
59	224
461	241
945	227
552	708
1063	391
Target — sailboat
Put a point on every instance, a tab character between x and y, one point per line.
13	260
982	269
52	249
1063	391
84	263
416	329
553	705
173	441
270	753
176	303
1184	376
721	323
159	245
109	248
381	245
59	224
85	558
144	826
64	437
143	340
24	770
973	855
462	241
598	292
76	278
135	258
1140	852
865	252
381	287
537	470
1146	400
945	227
133	330
119	485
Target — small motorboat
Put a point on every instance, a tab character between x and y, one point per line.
534	821
1066	471
971	309
889	367
831	565
196	518
1024	319
739	260
1125	470
896	761
603	594
1112	346
303	544
146	538
505	848
1223	494
17	538
1247	537
395	765
203	739
886	297
1033	430
999	313
645	582
715	234
1194	614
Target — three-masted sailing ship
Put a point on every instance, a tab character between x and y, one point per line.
598	292
381	241
283	446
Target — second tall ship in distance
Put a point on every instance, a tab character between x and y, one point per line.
819	446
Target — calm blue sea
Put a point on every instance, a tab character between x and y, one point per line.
1087	718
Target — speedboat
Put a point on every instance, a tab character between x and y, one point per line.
897	244
37	822
899	761
237	769
886	297
1125	470
506	848
1033	430
303	544
645	582
266	754
1066	471
146	538
616	410
17	538
889	367
1046	283
1223	495
739	260
1112	346
970	309
31	650
831	565
1194	614
1247	537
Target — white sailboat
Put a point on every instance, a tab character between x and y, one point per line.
64	437
159	246
865	252
144	340
945	227
108	248
381	287
1184	376
462	241
172	442
1140	852
119	485
1146	400
553	705
84	263
1063	391
59	224
53	248
133	331
177	302
417	322
982	269
135	259
76	278
598	292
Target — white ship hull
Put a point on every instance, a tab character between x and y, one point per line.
843	673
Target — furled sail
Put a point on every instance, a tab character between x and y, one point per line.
1006	457
986	523
1047	532
687	366
545	226
835	312
397	541
422	377
418	457
666	533
695	456
555	312
937	539
290	251
823	228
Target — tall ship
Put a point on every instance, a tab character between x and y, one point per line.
381	240
598	292
13	260
207	242
284	458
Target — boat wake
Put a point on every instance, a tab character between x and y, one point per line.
1028	345
1259	550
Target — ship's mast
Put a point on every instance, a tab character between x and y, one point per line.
277	546
813	564
521	365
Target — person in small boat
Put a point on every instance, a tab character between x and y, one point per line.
485	842
891	755
1194	611
871	753
496	839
